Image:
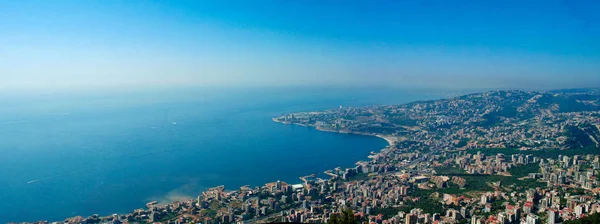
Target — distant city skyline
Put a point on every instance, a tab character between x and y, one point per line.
446	44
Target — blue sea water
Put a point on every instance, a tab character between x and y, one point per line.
104	153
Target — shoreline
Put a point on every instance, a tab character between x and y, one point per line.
391	140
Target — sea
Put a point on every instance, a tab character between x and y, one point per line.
104	152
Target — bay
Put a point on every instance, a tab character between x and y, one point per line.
69	154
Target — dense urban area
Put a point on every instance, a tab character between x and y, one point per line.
494	157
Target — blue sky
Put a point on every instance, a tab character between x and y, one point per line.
447	44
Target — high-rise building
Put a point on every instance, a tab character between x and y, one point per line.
484	199
532	219
502	219
411	219
578	211
463	212
403	190
552	217
476	220
452	214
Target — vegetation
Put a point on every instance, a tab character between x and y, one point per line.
568	103
524	170
498	205
428	205
462	143
547	153
449	170
590	219
347	217
168	217
359	177
479	182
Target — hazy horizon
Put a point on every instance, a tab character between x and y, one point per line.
72	45
108	105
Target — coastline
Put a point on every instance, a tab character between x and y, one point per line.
389	139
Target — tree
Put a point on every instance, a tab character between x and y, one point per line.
590	219
347	217
333	219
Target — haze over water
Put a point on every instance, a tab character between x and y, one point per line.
111	153
105	152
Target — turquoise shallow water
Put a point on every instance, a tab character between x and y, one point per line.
62	156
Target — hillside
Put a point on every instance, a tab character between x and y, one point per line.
561	119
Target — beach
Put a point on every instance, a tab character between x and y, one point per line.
390	139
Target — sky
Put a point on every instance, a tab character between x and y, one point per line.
439	44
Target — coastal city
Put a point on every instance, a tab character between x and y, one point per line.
299	111
502	157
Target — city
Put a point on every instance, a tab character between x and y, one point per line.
494	157
283	111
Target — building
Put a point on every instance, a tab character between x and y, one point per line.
411	219
552	217
532	219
